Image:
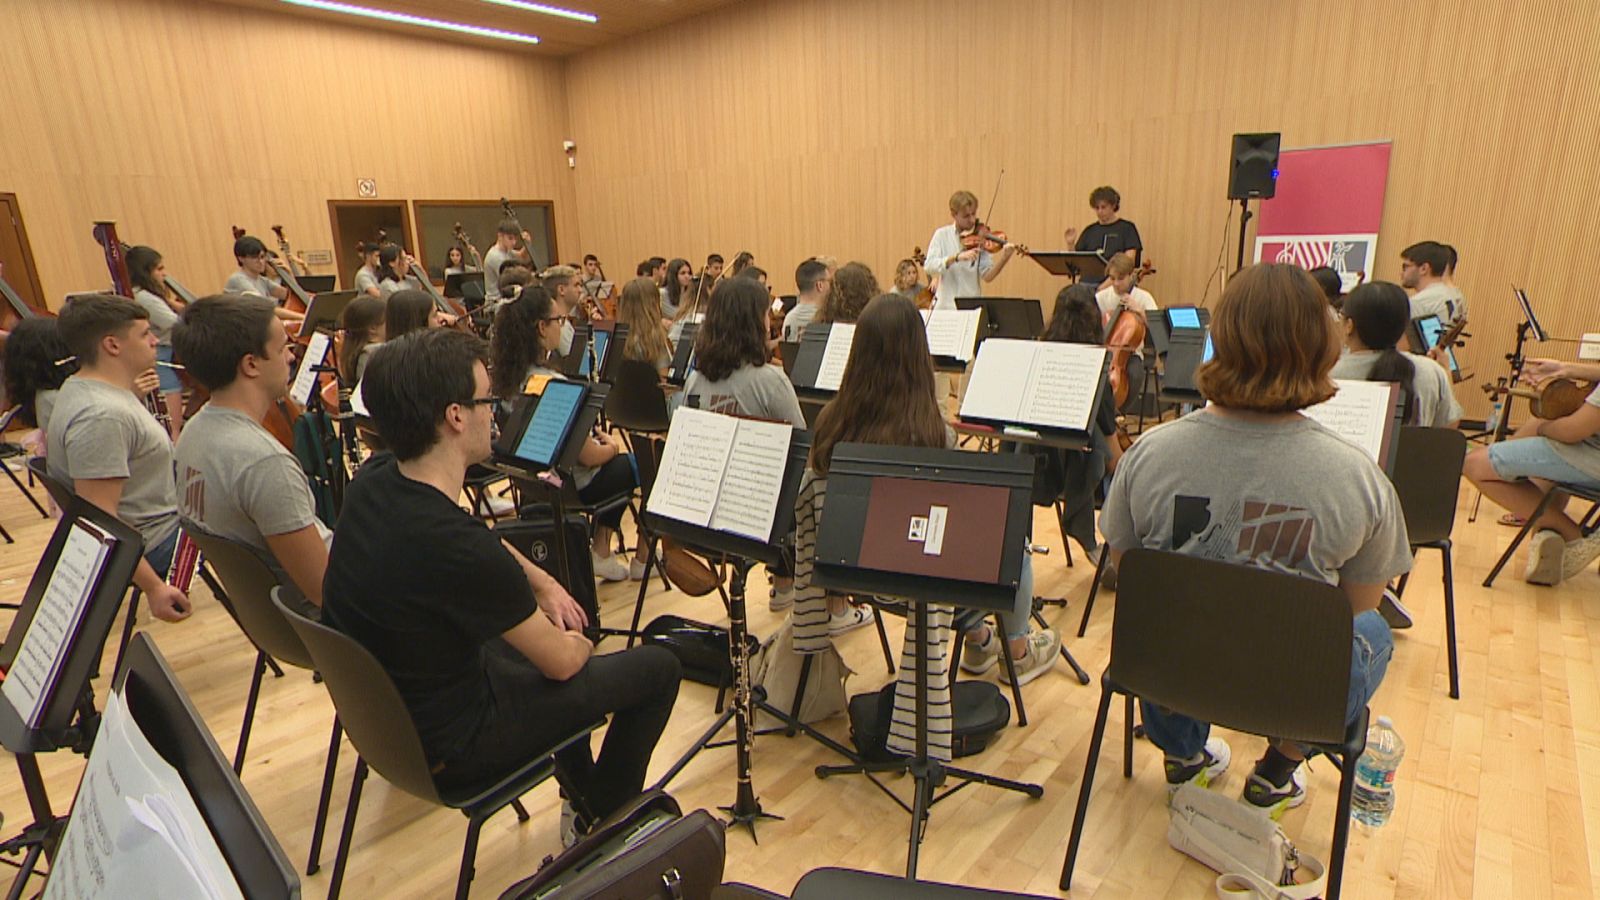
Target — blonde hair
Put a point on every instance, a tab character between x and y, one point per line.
1120	266
963	200
639	307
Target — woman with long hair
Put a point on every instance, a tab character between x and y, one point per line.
1230	482
363	325
1374	320
409	310
680	279
887	397
526	331
395	270
639	308
732	374
37	361
854	286
149	276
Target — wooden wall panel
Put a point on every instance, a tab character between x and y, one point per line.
179	118
842	126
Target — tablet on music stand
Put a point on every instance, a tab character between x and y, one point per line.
1527	313
547	431
683	354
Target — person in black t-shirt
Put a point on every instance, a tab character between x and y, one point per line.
1109	234
484	647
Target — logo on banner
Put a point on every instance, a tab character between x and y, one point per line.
1347	254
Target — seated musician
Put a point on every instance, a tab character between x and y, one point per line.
506	238
564	284
1422	271
251	277
513	278
853	287
1119	293
678	288
409	310
104	442
1332	286
526	331
492	682
1515	474
1110	234
812	282
1376	318
37	362
733	375
395	271
363	324
886	397
713	269
149	277
1202	484
367	273
234	478
457	263
908	279
639	308
593	280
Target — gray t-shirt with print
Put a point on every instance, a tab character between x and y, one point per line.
1435	398
236	480
761	392
1289	496
794	324
97	431
1584	455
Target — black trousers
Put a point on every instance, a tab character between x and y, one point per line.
532	713
614	479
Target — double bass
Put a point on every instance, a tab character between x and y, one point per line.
298	300
283	414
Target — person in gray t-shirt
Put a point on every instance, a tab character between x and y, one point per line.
251	277
1230	483
1374	319
234	478
103	442
504	250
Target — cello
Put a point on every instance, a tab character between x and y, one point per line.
1124	338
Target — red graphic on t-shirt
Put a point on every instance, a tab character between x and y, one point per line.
193	502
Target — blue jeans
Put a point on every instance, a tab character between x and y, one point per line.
1370	648
1015	622
159	555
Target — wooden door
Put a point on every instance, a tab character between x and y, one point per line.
358	221
16	261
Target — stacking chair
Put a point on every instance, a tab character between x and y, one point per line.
1427	478
380	728
1248	649
250	581
1556	490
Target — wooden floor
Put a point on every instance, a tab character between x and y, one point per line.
1499	794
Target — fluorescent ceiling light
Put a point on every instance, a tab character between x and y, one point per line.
591	18
407	19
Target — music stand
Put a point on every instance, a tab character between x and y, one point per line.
742	552
67	718
455	282
1539	333
1088	266
325	311
683	354
1186	351
598	361
1006	317
859	549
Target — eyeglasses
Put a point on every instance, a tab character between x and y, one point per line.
480	401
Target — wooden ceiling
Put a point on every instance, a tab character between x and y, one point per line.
557	36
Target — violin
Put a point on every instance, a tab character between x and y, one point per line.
1552	398
989	240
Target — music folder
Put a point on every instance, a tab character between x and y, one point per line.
1085	265
821	358
1366	413
1038	387
547	430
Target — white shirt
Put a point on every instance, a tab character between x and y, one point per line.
1138	298
961	279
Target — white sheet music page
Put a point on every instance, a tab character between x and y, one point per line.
691	470
135	830
952	332
1061	388
66	597
1360	413
748	499
835	356
994	386
305	378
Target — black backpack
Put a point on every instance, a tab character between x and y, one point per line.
980	711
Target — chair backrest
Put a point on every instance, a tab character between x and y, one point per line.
370	709
1249	649
636	401
61	492
248	577
1427	478
646	449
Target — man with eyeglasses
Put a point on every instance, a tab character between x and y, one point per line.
1422	271
251	277
485	647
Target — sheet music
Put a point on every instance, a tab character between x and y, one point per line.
55	623
1061	388
305	378
358	404
835	356
748	498
135	830
690	477
992	385
952	332
1362	412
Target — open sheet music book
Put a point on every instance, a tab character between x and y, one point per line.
135	830
722	473
952	333
1365	413
44	650
1043	384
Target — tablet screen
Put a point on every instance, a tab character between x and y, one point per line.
1183	317
552	419
1206	354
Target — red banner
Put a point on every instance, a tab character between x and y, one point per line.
1327	208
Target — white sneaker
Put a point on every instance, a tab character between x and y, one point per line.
608	568
1211	765
636	569
977	659
780	600
852	618
1577	555
1044	646
1544	558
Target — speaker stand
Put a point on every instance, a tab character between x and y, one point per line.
1244	221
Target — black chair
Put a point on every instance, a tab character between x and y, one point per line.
249	580
1249	649
1427	478
1556	490
10	451
381	730
636	402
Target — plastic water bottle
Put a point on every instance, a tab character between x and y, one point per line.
1495	411
1373	801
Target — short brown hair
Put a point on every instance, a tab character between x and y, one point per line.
89	318
1120	266
1274	342
963	200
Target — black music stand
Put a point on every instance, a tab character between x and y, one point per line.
602	348
162	710
453	283
683	354
1185	353
1006	317
855	508
325	310
317	284
1088	266
743	552
68	719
